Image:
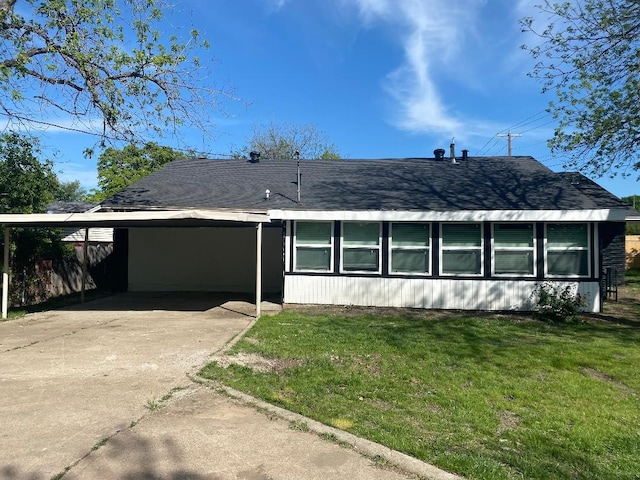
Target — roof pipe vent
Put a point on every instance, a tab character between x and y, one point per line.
254	157
452	149
438	153
465	154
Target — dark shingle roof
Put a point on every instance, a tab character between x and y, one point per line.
70	207
479	183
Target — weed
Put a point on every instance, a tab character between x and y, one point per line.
101	443
299	425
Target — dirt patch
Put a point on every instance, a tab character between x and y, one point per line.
508	421
605	378
257	363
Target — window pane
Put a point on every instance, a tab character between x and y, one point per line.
461	261
513	235
410	261
360	259
514	262
410	234
568	263
462	235
309	233
361	233
313	258
567	235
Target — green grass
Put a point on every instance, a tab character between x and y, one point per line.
632	279
483	396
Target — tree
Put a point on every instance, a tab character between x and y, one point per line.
71	192
27	185
589	54
120	168
283	141
103	64
633	200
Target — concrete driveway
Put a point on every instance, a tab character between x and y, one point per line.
76	386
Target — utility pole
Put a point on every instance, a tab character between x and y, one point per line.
510	136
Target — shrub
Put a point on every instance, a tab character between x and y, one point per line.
555	303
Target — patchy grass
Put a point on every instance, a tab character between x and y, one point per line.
484	396
56	303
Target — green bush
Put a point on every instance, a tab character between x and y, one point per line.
557	304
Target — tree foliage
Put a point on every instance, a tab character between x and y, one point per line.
27	185
120	168
589	55
104	65
275	141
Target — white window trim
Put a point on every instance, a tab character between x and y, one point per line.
312	245
588	249
513	249
392	248
442	249
344	247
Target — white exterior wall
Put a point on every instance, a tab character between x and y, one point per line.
422	293
203	259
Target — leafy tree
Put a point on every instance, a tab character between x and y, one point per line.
589	54
120	168
71	192
283	141
633	200
105	65
27	185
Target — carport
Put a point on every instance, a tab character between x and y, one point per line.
127	219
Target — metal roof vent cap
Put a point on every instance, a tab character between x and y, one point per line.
254	157
438	153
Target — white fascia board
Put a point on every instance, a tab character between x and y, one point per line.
594	215
96	218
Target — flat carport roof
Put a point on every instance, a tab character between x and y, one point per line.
139	218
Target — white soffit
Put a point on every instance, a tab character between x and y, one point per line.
594	215
96	218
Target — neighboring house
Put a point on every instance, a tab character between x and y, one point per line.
64	277
474	233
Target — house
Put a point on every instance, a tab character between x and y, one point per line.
474	233
470	233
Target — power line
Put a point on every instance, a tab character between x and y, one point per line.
510	136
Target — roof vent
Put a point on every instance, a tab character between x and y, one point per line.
438	153
254	157
465	154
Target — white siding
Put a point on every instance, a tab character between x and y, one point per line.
421	293
203	259
96	234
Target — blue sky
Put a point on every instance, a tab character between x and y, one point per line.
383	78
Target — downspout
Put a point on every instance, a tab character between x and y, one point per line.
258	268
84	263
5	273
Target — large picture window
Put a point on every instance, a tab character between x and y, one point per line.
313	247
461	249
567	249
409	246
361	244
513	249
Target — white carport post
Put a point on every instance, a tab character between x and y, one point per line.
5	273
258	268
85	248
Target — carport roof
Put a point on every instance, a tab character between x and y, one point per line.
191	217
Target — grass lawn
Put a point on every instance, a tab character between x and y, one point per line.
481	395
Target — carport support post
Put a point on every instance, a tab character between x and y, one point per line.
258	268
5	273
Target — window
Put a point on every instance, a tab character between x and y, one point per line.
567	249
361	247
313	247
513	249
409	246
461	249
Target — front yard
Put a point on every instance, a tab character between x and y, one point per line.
481	395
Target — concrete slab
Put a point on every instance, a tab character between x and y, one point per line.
75	387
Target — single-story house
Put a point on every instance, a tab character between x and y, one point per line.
451	233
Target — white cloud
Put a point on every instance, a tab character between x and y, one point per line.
432	34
